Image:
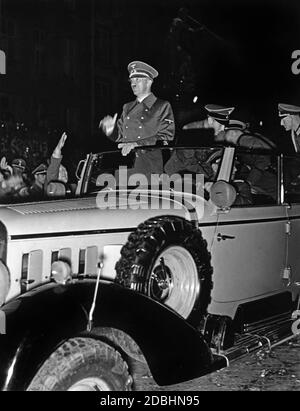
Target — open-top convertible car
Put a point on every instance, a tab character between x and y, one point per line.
186	271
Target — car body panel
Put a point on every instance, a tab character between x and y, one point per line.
293	213
240	271
55	227
250	240
42	319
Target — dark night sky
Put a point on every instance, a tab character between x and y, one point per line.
244	55
253	55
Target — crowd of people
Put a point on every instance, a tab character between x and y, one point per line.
17	183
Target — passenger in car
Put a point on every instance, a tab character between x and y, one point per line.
256	168
218	119
189	161
290	120
242	187
262	181
143	121
238	134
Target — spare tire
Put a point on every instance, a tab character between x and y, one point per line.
167	259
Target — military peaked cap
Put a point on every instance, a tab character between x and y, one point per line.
41	169
19	163
236	125
219	113
285	109
140	69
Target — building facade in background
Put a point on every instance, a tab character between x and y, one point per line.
47	68
66	62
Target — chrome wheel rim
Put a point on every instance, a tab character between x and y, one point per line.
90	384
174	280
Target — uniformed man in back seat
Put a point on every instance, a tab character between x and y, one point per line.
257	169
290	120
188	160
218	119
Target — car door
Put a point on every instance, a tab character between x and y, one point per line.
250	240
291	181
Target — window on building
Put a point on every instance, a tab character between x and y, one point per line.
72	118
103	46
8	27
39	51
70	58
103	91
9	43
6	107
4	102
71	4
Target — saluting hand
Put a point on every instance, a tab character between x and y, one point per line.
4	165
57	151
108	124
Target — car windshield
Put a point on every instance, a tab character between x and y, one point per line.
105	169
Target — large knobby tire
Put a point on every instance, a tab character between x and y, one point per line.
83	364
167	259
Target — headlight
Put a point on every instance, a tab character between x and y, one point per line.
4	282
61	272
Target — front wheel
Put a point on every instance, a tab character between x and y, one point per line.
83	364
166	258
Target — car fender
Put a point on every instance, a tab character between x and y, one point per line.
42	319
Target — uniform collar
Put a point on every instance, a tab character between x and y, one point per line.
149	100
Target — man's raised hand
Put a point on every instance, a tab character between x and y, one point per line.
57	151
5	166
108	124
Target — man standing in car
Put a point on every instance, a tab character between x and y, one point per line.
143	121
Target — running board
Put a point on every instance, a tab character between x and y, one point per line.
264	335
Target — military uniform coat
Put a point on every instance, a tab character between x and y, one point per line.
296	141
145	123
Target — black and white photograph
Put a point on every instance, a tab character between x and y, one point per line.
149	198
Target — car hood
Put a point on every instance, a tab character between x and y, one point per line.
90	214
